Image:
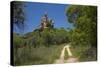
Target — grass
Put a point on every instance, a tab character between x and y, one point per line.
40	55
84	53
66	55
47	55
89	55
77	50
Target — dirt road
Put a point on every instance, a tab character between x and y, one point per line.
71	59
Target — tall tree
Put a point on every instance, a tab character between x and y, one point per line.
18	13
84	19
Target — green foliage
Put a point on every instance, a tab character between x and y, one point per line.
39	47
47	37
84	19
89	55
18	14
17	40
43	47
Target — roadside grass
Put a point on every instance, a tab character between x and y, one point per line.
89	55
77	50
66	55
40	55
84	53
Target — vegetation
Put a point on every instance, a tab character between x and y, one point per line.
35	48
43	47
41	55
18	14
84	19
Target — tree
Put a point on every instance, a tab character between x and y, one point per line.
18	13
84	19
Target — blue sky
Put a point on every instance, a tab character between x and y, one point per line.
34	12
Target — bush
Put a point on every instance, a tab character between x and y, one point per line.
89	55
47	37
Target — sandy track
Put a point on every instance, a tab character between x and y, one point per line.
71	59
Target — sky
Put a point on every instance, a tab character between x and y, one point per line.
35	11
